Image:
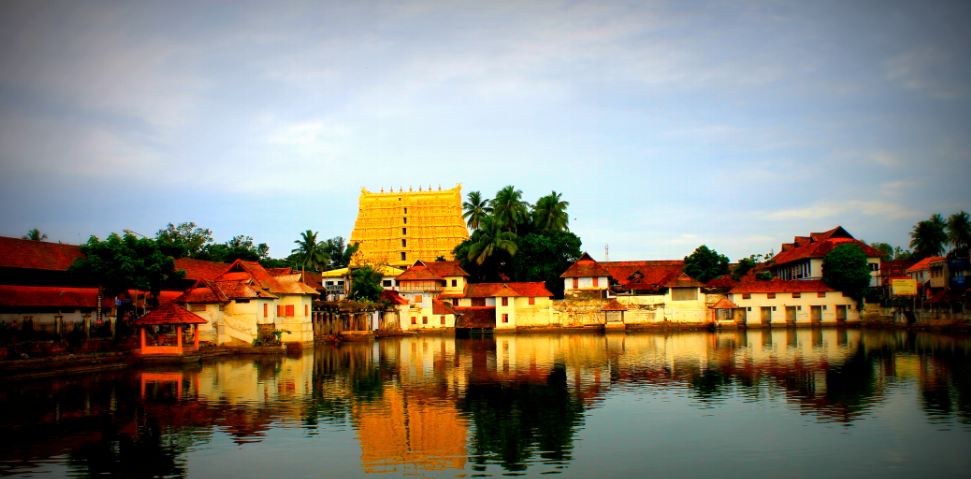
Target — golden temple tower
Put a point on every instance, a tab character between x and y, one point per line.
399	227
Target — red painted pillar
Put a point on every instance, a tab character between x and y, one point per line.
179	339
195	335
143	349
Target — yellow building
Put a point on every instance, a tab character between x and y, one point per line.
399	227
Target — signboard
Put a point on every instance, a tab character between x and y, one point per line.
903	287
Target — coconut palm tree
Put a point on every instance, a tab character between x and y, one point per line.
928	237
489	240
550	214
959	233
309	254
475	209
34	234
509	209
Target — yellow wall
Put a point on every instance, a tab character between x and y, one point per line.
781	300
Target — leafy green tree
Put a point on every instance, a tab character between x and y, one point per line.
240	247
845	269
743	267
365	284
338	252
900	253
475	208
928	237
959	233
125	262
509	210
491	240
34	234
309	254
184	241
705	264
543	256
549	213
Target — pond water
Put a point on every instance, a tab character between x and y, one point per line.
806	403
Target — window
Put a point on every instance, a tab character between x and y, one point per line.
404	256
596	281
418	298
424	320
404	243
821	294
478	301
289	310
455	283
197	307
414	320
532	300
770	295
306	310
746	295
684	294
242	301
796	295
404	231
505	317
442	320
406	209
386	283
266	310
505	301
576	283
404	220
279	310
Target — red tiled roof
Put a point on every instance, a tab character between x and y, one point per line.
253	273
782	286
614	305
493	290
169	313
819	245
724	303
446	268
393	297
29	254
419	273
723	281
644	275
682	280
924	264
50	296
585	267
196	269
441	307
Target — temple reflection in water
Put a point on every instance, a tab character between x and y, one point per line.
427	405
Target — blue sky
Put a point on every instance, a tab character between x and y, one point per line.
664	124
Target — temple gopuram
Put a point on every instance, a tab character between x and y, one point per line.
398	227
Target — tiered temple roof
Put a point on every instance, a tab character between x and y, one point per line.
399	227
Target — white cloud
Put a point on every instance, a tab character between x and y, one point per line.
832	209
932	71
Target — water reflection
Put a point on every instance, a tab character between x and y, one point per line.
432	405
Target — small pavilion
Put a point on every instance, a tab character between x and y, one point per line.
169	314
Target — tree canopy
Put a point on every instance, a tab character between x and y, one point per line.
34	234
309	255
928	237
338	253
516	241
184	241
959	233
126	262
365	284
845	269
705	264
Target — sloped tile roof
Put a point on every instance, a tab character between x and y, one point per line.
924	264
724	303
196	269
169	313
393	297
494	290
818	245
782	286
29	254
49	296
644	275
585	267
446	268
441	307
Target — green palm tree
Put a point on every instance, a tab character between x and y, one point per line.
928	237
489	240
309	254
509	209
475	209
550	214
959	233
34	234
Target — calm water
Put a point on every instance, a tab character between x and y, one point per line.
758	404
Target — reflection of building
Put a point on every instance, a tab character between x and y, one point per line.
407	432
399	227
